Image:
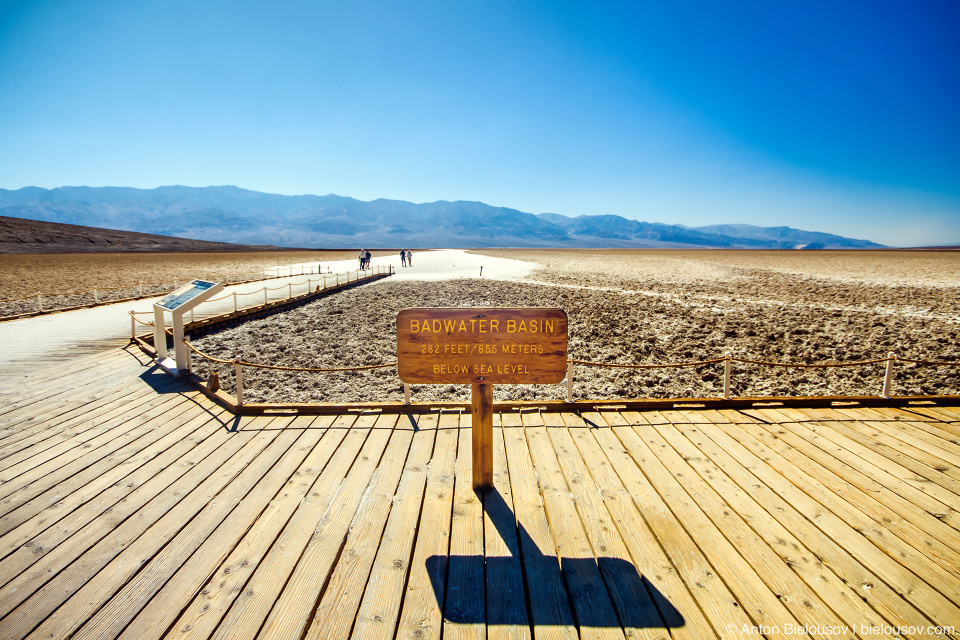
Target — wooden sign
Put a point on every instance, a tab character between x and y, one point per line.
487	345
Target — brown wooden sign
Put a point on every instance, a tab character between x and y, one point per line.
486	345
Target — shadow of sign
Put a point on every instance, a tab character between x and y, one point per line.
528	587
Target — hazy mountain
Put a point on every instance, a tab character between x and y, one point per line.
231	214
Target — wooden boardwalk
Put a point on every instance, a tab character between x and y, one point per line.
133	507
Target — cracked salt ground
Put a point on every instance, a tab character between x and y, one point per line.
357	328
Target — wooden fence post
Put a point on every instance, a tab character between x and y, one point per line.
239	368
888	377
727	363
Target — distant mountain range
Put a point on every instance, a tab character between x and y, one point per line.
231	214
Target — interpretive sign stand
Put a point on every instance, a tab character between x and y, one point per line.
177	303
482	347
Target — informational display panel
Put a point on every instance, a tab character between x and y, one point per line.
488	345
185	294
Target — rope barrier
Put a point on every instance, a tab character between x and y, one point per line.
749	361
149	324
800	365
645	366
282	368
935	363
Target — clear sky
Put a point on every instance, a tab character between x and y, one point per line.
835	115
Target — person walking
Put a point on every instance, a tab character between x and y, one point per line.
363	258
403	257
409	258
368	259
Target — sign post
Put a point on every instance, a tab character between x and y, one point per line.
482	347
177	303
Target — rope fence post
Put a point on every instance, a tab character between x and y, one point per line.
39	302
96	296
406	393
239	369
888	377
140	285
569	379
186	341
264	294
235	301
289	290
133	326
727	365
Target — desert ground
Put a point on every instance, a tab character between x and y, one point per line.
642	307
117	274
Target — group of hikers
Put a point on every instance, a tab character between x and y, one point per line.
406	258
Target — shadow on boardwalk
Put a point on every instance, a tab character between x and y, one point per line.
529	587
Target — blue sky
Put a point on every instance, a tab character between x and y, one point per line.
834	116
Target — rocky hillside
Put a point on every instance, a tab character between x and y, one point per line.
31	236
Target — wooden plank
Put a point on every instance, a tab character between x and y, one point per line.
593	607
848	526
114	593
718	604
877	509
755	470
506	598
44	433
649	417
162	518
203	613
465	610
87	448
68	389
925	435
881	480
550	610
250	608
294	607
421	614
678	610
635	605
377	613
83	422
66	384
906	455
408	453
256	520
37	535
147	603
818	600
755	596
947	415
53	489
117	528
905	414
